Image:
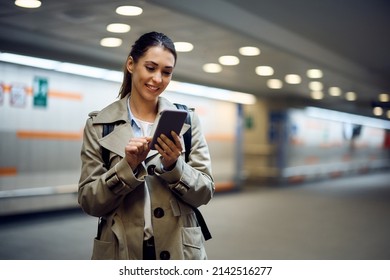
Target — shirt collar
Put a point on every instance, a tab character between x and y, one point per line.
132	119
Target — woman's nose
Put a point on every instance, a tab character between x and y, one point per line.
157	77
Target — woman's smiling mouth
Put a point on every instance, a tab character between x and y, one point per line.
152	88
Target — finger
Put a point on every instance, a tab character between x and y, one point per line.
173	148
131	150
176	140
162	141
136	147
161	151
167	140
139	140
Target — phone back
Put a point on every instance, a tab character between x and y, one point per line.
169	120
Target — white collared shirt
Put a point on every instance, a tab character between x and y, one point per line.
142	129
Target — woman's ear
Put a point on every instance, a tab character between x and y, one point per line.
130	64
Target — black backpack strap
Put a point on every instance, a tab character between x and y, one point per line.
202	223
107	129
188	135
187	143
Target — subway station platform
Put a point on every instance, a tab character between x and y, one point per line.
344	218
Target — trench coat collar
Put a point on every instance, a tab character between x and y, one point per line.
116	112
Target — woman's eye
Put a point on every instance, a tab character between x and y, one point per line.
149	68
153	69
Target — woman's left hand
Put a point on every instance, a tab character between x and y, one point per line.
169	150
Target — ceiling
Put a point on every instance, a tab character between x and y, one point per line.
348	39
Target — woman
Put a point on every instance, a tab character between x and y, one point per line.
144	196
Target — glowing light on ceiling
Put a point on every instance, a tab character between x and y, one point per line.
129	10
30	4
377	111
118	28
274	83
249	51
315	86
183	46
293	79
314	73
318	95
111	42
350	96
334	91
264	70
384	97
212	68
229	60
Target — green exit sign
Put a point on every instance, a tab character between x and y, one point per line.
40	90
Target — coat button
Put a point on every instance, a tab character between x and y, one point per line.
158	212
151	169
165	255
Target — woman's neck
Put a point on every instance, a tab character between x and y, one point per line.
142	109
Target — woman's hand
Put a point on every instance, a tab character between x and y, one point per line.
136	151
169	150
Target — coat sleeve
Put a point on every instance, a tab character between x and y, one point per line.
192	182
100	191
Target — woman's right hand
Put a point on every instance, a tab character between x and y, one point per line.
136	151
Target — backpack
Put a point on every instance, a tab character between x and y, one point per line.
108	128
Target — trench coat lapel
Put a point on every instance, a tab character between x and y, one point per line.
117	140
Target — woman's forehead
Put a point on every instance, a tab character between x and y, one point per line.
159	55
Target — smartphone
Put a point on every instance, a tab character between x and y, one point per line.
169	120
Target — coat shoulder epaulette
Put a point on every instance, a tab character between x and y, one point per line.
93	114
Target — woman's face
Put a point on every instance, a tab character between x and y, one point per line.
152	73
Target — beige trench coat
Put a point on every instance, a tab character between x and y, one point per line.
117	194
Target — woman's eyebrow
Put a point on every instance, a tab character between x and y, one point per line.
156	64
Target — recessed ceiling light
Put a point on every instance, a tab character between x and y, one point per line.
334	91
377	111
111	42
274	83
350	96
129	10
317	95
118	28
212	68
293	79
229	60
249	51
314	73
31	4
183	46
383	97
315	86
264	70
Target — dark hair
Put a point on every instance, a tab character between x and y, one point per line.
140	47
